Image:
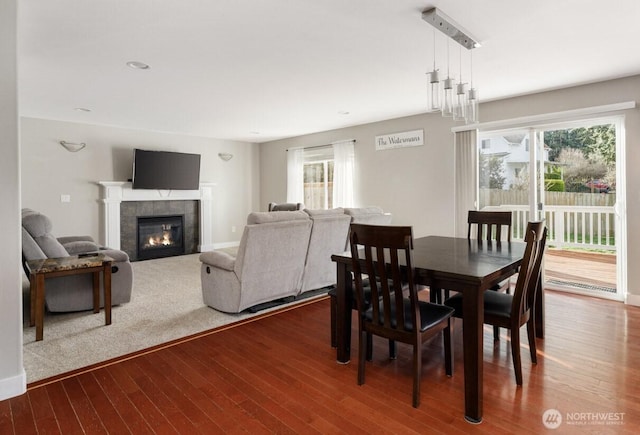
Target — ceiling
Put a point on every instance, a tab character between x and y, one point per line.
257	70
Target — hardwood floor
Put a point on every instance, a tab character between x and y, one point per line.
279	374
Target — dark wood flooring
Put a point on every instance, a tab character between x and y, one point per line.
278	374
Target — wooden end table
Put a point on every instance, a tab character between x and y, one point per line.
62	266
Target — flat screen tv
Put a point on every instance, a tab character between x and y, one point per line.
165	170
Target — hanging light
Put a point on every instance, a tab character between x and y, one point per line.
434	82
451	98
448	90
460	106
471	115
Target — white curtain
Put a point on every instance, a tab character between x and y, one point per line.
295	175
343	168
466	178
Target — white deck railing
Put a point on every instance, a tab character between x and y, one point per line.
569	226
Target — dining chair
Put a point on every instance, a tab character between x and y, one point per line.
489	226
384	255
513	311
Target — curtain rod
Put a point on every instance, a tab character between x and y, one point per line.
321	146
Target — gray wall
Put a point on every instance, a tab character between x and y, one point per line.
49	170
416	184
12	376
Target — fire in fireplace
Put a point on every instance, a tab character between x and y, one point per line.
160	236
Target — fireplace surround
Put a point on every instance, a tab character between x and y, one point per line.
115	197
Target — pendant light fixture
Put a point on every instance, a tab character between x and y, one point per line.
471	114
448	89
434	82
450	98
460	106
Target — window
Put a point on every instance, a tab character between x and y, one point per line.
486	144
318	184
318	178
311	173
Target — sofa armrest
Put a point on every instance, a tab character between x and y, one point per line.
218	259
117	255
69	239
80	247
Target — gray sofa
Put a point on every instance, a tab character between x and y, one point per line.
269	263
72	293
281	254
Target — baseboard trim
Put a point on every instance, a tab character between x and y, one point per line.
633	300
226	245
13	386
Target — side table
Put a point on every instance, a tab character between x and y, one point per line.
73	265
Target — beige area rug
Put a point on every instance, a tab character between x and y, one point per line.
166	304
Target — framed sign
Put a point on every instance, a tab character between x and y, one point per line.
403	139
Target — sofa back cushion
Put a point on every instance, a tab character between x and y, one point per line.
263	217
368	215
328	237
38	227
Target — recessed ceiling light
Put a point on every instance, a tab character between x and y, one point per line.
137	65
82	109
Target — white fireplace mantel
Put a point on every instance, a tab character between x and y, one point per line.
114	192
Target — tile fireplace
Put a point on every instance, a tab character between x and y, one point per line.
122	206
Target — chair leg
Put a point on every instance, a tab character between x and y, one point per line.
369	347
334	320
515	353
393	350
531	332
448	348
417	373
362	348
496	333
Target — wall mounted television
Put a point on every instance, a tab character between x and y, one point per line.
165	170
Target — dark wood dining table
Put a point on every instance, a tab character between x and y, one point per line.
458	264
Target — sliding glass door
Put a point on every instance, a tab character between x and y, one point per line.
567	174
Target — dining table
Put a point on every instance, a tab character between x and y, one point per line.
456	264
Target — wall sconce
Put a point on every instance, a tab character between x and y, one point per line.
72	147
225	156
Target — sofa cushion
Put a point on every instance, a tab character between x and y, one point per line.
39	227
263	217
363	210
324	212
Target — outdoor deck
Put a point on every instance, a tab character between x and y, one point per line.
593	272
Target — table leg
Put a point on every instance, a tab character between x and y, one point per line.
96	292
39	306
107	293
473	312
32	297
344	295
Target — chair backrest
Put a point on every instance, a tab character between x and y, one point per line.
489	224
287	206
387	278
529	275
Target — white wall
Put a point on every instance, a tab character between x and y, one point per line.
416	184
49	170
12	376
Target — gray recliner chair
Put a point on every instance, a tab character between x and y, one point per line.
75	292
